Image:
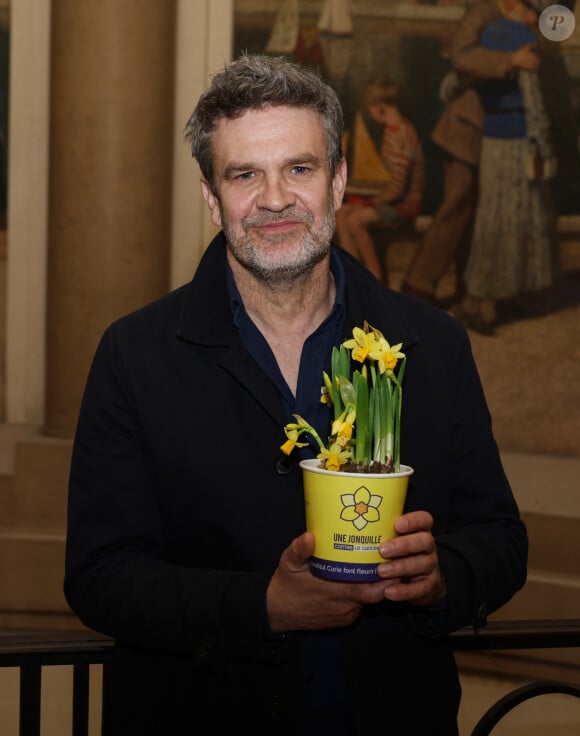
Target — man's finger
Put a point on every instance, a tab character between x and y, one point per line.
301	549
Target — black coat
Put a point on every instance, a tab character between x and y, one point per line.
180	508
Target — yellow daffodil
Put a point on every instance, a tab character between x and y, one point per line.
372	394
386	355
328	390
342	428
292	441
361	344
293	430
301	422
334	457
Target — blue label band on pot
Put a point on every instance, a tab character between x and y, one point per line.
352	572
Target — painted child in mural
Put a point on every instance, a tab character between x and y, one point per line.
513	245
398	195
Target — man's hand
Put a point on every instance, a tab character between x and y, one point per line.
298	600
526	57
412	568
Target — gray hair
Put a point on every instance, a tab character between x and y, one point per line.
253	82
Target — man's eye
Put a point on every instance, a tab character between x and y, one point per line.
300	169
244	176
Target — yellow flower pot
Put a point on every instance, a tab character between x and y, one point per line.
350	514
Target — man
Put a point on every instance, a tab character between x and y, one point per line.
186	538
458	134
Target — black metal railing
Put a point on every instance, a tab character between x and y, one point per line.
31	651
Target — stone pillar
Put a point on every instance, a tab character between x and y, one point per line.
111	115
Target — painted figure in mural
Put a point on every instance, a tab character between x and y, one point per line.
512	251
399	199
285	29
336	29
325	45
458	133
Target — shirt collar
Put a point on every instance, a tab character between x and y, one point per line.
336	267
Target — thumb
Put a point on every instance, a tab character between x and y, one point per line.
301	549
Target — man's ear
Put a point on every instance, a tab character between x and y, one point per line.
212	203
339	184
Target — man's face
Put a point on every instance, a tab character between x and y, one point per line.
274	196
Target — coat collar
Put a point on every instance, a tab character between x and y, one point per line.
206	318
205	315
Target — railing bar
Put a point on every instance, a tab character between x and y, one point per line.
478	642
80	723
106	695
508	702
30	691
549	634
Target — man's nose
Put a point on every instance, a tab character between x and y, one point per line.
275	194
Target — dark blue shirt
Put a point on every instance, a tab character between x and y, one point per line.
502	99
323	672
316	355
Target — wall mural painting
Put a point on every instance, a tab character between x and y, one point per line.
506	261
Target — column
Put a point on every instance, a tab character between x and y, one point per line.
109	223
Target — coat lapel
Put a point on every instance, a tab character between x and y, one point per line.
367	300
207	295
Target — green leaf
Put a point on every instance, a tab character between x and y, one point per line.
362	427
335	392
347	392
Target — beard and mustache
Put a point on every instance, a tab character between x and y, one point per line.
267	258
